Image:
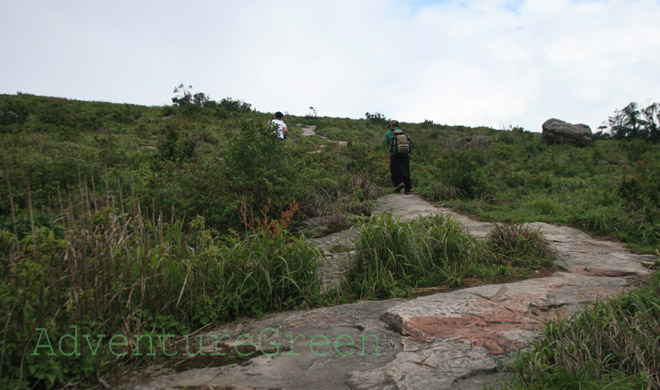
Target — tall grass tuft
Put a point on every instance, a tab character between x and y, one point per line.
518	246
392	256
387	253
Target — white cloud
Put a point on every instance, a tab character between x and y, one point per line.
489	62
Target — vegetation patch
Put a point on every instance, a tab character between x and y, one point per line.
393	258
121	275
518	246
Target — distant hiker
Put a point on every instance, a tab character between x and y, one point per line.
399	145
282	130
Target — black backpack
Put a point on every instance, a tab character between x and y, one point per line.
400	143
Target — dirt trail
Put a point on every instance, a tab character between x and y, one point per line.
310	131
453	340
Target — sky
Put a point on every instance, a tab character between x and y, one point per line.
497	63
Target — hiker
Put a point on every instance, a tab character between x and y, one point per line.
398	143
282	130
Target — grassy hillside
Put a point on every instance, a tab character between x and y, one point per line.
120	219
199	159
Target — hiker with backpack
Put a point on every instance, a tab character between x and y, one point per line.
399	145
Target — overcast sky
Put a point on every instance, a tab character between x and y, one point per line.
498	63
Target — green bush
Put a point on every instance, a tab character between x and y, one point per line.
175	144
388	257
465	170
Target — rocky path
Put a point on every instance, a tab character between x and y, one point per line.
310	131
453	340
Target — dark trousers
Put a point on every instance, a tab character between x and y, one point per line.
400	170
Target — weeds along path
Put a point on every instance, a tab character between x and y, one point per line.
454	340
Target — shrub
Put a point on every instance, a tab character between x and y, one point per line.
465	171
175	144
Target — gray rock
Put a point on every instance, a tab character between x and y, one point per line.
478	141
583	255
499	318
557	131
161	119
312	349
427	366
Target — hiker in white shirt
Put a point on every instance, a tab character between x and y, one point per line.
281	126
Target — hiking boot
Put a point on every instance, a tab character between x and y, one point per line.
407	192
399	188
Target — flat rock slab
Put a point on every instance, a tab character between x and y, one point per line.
583	255
472	333
499	318
453	340
409	207
308	131
312	349
443	364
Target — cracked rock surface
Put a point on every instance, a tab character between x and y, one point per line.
453	340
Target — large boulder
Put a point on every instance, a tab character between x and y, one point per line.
479	141
557	131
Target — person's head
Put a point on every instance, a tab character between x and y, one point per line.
279	115
394	123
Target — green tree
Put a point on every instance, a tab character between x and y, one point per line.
632	122
376	118
651	116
